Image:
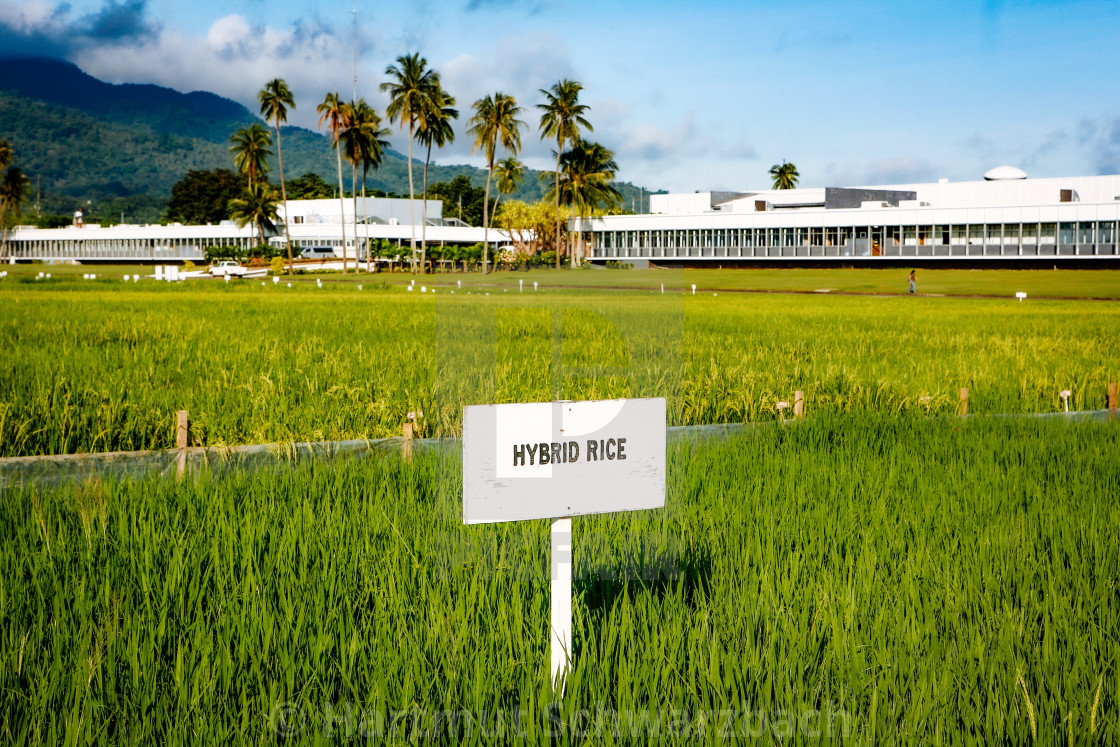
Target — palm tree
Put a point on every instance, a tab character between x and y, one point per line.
333	112
412	89
784	175
275	99
434	129
5	154
587	170
257	205
562	120
363	142
250	151
508	173
495	120
13	191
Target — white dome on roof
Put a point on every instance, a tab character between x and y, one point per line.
1004	173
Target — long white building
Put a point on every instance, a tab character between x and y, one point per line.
313	223
1006	218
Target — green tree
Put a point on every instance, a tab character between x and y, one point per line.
530	225
586	172
333	113
275	100
508	174
310	186
461	199
561	120
256	205
250	152
495	121
413	89
434	129
5	162
363	145
784	175
13	191
203	197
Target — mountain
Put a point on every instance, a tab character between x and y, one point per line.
121	147
192	115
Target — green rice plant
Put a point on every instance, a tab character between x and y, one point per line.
855	577
91	369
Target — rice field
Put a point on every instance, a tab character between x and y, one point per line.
880	572
859	578
96	366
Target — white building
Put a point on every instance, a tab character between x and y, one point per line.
1006	218
314	223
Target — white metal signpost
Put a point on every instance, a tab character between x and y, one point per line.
555	460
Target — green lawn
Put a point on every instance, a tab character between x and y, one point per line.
998	283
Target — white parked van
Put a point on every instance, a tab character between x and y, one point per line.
317	252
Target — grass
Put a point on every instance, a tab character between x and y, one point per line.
997	283
1043	283
891	579
93	366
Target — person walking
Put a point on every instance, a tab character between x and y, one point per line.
913	281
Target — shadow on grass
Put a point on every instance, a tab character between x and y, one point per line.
662	573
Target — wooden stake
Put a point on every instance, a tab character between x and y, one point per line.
1112	391
799	404
964	401
182	430
406	444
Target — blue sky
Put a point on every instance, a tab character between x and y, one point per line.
690	95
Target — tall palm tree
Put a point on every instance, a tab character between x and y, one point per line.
434	129
561	120
257	205
332	112
784	175
5	154
249	147
495	121
508	173
363	143
587	170
275	99
412	89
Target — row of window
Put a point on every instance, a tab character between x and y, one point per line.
616	243
114	248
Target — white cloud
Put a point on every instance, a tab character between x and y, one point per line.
235	58
30	17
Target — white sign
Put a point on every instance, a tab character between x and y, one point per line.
549	460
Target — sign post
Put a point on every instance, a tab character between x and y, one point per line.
556	460
560	640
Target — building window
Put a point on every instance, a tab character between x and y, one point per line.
1085	233
1011	234
1067	233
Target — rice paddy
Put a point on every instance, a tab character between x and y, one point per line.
859	578
90	368
880	572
